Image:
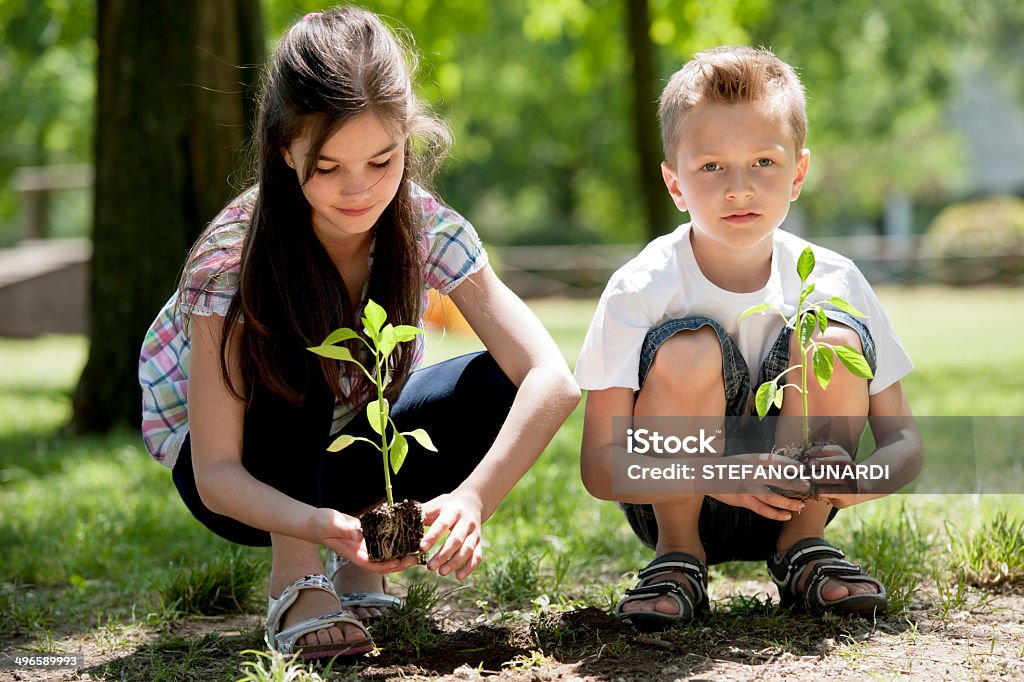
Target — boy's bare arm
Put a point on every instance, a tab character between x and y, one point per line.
597	446
897	444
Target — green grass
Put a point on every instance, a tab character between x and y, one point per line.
97	544
228	583
994	555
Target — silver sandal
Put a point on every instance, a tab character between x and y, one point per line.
366	600
283	641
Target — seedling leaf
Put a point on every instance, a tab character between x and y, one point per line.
822	320
807	322
343	334
805	264
845	307
823	361
388	341
377	420
854	362
344	440
374	317
804	294
765	397
399	449
405	332
334	352
753	310
421	437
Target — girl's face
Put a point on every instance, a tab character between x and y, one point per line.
357	174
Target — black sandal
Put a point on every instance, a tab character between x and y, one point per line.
690	605
787	570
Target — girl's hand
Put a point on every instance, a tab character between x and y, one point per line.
458	512
344	535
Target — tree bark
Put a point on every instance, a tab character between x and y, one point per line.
171	120
645	119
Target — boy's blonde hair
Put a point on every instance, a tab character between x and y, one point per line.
732	75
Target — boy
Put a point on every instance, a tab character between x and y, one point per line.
665	341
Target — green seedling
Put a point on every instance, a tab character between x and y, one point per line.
816	355
380	340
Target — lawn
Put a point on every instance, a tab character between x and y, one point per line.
99	555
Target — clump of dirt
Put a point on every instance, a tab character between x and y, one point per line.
485	647
393	531
571	631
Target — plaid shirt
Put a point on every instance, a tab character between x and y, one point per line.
451	248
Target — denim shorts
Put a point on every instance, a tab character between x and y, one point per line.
731	533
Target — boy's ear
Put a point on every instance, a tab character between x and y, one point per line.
802	164
672	183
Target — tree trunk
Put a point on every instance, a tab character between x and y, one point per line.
645	119
171	119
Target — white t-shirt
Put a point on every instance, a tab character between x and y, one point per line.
663	282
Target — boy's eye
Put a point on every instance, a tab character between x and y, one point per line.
712	166
382	164
764	163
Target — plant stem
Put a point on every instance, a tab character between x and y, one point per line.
383	429
803	388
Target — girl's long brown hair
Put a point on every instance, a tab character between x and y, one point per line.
327	69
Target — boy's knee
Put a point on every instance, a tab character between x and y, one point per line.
695	356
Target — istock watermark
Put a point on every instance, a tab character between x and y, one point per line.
644	441
708	455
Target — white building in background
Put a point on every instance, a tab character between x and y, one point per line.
989	114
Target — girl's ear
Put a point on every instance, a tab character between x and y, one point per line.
287	157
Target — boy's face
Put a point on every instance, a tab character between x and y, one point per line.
736	171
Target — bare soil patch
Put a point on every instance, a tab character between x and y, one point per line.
745	638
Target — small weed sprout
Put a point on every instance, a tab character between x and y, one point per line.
817	354
380	340
277	667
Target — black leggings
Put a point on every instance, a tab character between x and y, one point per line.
462	404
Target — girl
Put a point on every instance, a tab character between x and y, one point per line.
242	413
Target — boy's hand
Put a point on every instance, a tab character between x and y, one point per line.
755	494
460	513
751	474
344	535
768	505
843	501
829	459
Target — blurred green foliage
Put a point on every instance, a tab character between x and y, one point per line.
538	94
47	89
